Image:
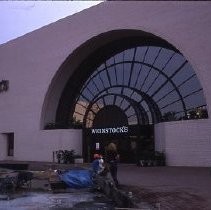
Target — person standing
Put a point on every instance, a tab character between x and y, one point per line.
112	157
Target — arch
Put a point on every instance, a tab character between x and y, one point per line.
102	72
136	105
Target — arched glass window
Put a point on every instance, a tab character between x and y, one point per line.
149	84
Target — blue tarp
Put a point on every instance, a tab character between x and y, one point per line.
77	178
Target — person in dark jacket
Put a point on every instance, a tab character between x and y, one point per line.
96	164
112	158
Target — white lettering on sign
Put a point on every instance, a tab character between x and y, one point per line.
123	129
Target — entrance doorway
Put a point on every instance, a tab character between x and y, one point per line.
136	81
133	145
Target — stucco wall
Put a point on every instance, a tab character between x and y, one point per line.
31	62
185	143
159	137
39	145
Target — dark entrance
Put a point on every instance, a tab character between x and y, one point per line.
132	146
111	125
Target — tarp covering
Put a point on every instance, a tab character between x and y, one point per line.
77	178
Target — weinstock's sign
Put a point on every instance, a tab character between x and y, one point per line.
123	129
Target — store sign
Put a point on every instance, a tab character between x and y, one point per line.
123	129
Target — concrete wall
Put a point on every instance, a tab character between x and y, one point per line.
39	145
185	143
31	62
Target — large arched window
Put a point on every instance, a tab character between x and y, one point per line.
150	84
142	75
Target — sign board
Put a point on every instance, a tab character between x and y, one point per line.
123	129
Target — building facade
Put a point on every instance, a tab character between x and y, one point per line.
45	75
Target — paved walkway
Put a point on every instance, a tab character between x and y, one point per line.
164	188
168	187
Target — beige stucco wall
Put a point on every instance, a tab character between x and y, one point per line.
185	143
32	145
30	64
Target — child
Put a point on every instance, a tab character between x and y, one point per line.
96	164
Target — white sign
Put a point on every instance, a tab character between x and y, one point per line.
123	129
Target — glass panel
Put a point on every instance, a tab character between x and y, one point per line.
119	69
168	99
129	54
105	80
190	86
135	96
156	85
109	100
194	100
145	70
87	94
150	79
110	61
140	52
130	111
124	104
112	75
119	57
164	92
152	54
118	101
182	75
176	107
132	120
163	58
127	92
127	73
175	63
